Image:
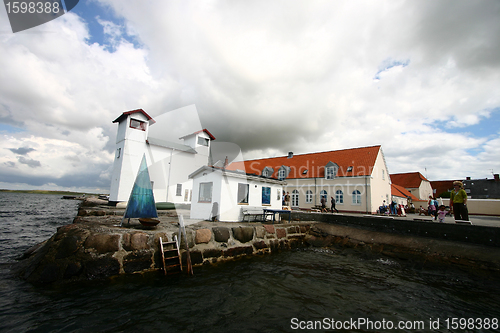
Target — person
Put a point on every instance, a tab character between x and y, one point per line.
431	208
323	205
442	213
422	211
381	209
332	201
458	201
393	208
287	199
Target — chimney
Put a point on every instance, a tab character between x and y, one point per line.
495	176
226	163
467	178
290	154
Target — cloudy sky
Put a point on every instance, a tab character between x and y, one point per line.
420	78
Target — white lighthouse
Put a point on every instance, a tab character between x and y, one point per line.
169	163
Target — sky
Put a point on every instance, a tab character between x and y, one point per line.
420	78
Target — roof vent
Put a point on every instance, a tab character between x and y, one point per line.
290	154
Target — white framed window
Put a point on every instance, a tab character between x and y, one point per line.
243	193
205	192
203	141
178	191
295	198
281	174
309	196
356	197
339	197
331	170
137	124
383	174
266	195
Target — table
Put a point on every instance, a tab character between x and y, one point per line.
277	211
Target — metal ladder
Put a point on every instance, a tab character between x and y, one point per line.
170	256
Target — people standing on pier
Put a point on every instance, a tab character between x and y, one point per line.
332	201
287	199
458	201
432	207
442	213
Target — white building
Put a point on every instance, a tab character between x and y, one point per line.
225	193
357	178
169	163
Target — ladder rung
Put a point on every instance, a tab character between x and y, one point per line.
169	258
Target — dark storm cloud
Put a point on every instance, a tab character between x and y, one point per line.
29	162
22	150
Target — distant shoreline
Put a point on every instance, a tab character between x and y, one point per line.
48	192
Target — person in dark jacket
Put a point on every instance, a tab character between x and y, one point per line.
333	205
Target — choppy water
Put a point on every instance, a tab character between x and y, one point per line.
274	293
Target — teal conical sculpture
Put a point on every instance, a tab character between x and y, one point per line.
141	202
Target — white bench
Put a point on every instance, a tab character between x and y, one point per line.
257	213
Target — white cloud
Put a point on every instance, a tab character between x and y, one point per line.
270	76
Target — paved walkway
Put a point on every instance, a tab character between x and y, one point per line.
489	221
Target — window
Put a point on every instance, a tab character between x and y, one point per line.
356	197
309	196
349	169
178	191
266	195
118	152
137	124
267	172
242	193
383	174
331	170
295	198
281	174
279	195
203	141
205	192
323	195
186	194
339	196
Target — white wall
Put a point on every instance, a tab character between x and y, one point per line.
225	192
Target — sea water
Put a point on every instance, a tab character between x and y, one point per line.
299	290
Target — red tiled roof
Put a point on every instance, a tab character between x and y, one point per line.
441	186
399	191
408	180
361	160
126	113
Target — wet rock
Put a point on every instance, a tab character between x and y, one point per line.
212	253
243	234
221	234
49	274
137	261
101	268
203	236
196	257
269	228
103	243
237	251
135	241
260	232
318	241
260	245
280	233
73	269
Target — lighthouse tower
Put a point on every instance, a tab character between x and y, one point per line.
131	139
